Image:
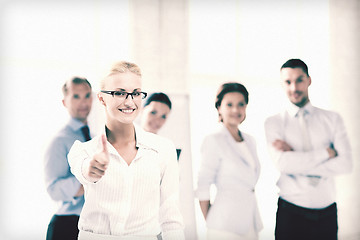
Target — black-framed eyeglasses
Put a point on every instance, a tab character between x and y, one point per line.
124	95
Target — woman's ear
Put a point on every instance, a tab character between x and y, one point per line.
220	119
101	99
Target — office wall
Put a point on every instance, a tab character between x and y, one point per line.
344	81
159	44
43	43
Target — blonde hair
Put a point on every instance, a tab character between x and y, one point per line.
121	67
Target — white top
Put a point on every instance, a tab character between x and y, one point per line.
307	177
227	166
244	148
140	199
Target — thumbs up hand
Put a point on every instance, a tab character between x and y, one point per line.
99	163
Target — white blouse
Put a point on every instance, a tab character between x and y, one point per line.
140	199
244	148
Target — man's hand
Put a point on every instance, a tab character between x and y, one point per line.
282	146
80	192
332	152
99	162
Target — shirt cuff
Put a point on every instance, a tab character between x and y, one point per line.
84	170
202	195
321	155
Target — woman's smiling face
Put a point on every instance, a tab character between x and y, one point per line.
232	109
154	116
124	110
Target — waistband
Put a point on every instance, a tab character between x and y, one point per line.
84	235
309	213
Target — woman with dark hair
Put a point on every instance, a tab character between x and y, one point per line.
229	161
155	112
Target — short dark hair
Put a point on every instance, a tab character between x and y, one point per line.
296	63
158	97
74	80
230	87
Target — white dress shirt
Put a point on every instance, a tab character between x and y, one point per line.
136	200
307	177
225	165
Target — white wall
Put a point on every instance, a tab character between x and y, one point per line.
345	86
43	44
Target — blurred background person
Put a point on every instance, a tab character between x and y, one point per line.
309	147
229	161
155	112
61	184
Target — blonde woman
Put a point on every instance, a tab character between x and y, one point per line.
130	176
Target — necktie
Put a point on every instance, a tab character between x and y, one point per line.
313	180
306	142
86	132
